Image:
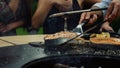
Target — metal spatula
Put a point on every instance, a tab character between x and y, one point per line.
78	29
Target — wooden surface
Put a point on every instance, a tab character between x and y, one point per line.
22	39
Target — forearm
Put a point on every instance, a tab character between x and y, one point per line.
41	13
103	4
15	25
99	13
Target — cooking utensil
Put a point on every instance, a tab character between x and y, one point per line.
79	29
55	42
36	44
73	12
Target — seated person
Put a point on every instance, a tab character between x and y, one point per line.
12	15
56	24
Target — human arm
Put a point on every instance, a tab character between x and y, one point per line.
8	27
43	8
41	12
14	17
106	26
93	16
113	11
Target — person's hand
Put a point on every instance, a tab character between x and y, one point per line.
4	28
105	26
92	17
113	11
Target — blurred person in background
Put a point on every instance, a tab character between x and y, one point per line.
13	14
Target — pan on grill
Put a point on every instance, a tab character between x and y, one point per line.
61	37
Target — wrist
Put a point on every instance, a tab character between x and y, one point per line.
99	13
14	25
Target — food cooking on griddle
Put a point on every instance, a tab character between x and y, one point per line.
104	38
61	37
102	35
62	34
111	40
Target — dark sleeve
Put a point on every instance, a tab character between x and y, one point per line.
24	13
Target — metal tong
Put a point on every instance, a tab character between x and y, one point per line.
78	29
74	12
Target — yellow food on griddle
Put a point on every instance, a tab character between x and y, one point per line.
102	35
92	35
106	34
62	34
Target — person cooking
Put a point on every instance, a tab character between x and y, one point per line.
56	24
111	14
95	15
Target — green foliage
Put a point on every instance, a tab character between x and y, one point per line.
21	31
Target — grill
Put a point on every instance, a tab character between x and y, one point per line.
79	56
74	61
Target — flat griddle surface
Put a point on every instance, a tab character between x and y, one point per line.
16	56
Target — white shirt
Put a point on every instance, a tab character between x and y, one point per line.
103	4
